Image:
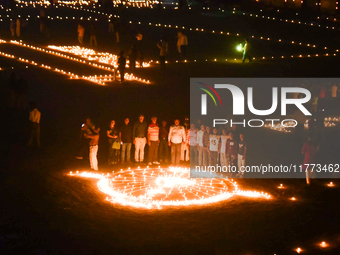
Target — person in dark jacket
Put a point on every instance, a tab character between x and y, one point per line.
139	136
121	65
125	137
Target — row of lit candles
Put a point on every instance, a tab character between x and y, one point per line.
298	22
94	79
127	76
190	29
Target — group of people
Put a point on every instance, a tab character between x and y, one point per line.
212	149
158	138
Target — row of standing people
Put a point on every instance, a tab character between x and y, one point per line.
140	134
212	149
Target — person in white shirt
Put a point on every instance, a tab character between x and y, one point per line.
200	146
223	156
192	141
176	138
182	43
34	119
214	147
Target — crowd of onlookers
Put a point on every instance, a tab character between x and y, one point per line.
186	142
139	134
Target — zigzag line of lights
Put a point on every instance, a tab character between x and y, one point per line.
191	29
100	79
90	54
158	187
105	58
203	30
69	74
222	32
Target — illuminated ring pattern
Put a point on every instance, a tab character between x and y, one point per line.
158	187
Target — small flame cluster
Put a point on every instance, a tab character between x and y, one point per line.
328	122
281	128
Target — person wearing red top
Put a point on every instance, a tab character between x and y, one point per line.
309	149
153	138
232	150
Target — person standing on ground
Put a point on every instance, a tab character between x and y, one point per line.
153	138
309	149
192	141
114	144
182	43
81	31
87	128
241	158
163	52
223	156
125	136
111	27
12	26
93	36
232	151
34	119
176	138
18	27
206	152
139	133
200	146
185	147
116	26
121	65
133	55
93	148
163	144
141	59
246	49
214	147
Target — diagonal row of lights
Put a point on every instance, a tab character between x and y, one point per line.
99	79
291	21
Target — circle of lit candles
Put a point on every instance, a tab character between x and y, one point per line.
123	185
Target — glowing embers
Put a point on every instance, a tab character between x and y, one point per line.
158	187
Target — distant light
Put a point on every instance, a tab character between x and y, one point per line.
323	244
